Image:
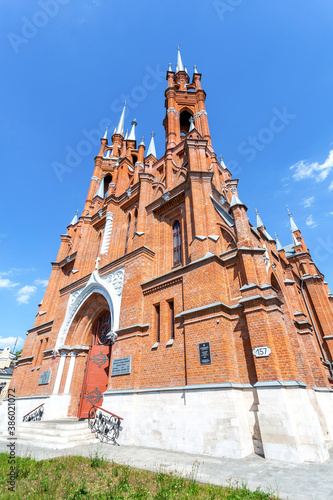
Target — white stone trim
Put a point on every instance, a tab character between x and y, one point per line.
72	355
60	371
110	286
107	233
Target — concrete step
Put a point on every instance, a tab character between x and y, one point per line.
57	424
54	434
46	438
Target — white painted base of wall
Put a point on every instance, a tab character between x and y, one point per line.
290	426
215	422
276	420
279	422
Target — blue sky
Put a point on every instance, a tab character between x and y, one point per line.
66	67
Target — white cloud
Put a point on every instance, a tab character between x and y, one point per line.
10	342
330	187
24	294
6	283
308	201
318	171
41	282
311	222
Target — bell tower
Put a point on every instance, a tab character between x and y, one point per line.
185	105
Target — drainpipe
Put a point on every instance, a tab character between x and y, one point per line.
325	360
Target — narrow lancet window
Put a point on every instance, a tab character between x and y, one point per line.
177	244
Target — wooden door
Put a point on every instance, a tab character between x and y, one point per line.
97	371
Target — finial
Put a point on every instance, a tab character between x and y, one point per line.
120	128
293	226
75	219
186	69
152	149
142	143
131	137
278	244
106	133
259	221
195	69
170	67
222	162
192	123
180	66
100	190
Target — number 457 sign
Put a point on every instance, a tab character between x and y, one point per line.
261	352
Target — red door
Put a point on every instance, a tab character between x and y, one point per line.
97	372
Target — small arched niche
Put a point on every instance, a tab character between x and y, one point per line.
107	180
185	122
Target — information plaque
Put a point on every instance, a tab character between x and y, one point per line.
121	366
44	378
204	353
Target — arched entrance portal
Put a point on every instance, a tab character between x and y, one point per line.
96	374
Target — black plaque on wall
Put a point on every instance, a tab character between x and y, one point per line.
204	353
121	366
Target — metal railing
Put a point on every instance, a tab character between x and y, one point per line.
105	424
35	414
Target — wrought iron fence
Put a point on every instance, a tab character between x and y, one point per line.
35	414
105	424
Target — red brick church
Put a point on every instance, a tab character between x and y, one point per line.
166	306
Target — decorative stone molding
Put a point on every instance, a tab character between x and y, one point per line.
107	233
94	178
110	286
203	112
173	110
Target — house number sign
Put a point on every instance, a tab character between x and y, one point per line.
261	352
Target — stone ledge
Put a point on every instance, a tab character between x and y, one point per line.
198	387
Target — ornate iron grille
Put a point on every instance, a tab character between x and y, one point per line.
34	415
106	425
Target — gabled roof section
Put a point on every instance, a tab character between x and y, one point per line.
289	249
228	218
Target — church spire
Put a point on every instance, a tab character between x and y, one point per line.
100	191
293	226
152	149
75	219
259	221
192	126
180	66
120	128
131	137
278	244
106	133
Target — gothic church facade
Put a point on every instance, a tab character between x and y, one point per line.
167	307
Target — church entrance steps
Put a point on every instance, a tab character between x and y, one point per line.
57	434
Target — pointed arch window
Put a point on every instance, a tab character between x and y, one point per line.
107	180
128	231
135	221
177	244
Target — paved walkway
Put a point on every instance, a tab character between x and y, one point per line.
294	482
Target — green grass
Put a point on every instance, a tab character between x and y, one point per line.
77	478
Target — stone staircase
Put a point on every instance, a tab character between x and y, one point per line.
54	434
